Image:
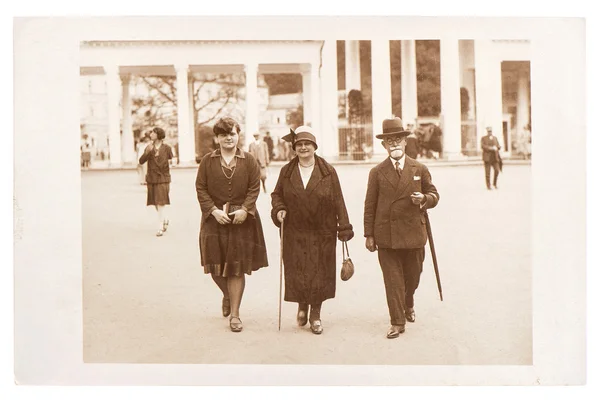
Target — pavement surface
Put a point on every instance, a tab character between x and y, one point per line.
146	299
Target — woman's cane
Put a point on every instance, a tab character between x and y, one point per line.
280	271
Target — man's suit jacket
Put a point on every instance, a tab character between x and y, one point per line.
487	143
390	216
260	151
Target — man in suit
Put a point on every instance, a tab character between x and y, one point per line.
398	193
260	151
269	141
491	157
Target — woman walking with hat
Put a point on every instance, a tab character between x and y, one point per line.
232	244
308	197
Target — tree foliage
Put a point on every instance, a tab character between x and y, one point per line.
213	94
428	77
284	83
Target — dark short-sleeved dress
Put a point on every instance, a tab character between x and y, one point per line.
230	250
158	177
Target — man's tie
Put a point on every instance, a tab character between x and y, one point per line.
398	169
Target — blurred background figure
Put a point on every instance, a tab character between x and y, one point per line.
524	143
412	149
269	141
260	151
142	169
86	155
158	155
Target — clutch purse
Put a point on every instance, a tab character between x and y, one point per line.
347	264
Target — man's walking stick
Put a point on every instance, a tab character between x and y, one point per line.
280	271
432	248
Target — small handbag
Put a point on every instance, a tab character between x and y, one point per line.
347	264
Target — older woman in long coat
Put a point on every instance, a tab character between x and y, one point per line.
309	200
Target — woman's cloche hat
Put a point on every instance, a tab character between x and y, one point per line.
301	133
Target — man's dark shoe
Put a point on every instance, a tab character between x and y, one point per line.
395	331
410	314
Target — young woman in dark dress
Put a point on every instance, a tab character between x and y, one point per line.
232	244
158	179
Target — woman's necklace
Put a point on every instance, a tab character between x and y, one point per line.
231	169
306	166
225	173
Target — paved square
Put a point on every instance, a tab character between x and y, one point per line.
147	300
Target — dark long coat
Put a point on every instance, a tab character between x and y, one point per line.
489	155
390	216
315	216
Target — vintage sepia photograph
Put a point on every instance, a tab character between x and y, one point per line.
371	193
303	140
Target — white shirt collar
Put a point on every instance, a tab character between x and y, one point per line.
401	161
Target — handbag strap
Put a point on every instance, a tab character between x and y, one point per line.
345	250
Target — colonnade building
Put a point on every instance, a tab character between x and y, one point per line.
494	73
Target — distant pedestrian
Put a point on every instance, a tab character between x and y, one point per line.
270	145
86	155
232	243
491	157
260	151
158	155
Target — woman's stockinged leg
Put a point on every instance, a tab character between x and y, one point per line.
235	286
315	312
160	211
222	284
315	318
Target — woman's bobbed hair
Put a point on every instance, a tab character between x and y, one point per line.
160	133
225	125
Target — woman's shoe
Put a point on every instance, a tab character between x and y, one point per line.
160	232
235	324
302	317
165	225
226	307
316	327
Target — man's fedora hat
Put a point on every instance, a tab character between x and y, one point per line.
392	127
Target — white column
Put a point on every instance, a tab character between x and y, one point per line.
113	86
488	82
192	123
352	65
467	63
450	98
307	96
408	72
315	121
127	137
185	136
329	135
382	88
352	68
522	101
251	125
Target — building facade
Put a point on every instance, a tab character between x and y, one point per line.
491	76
